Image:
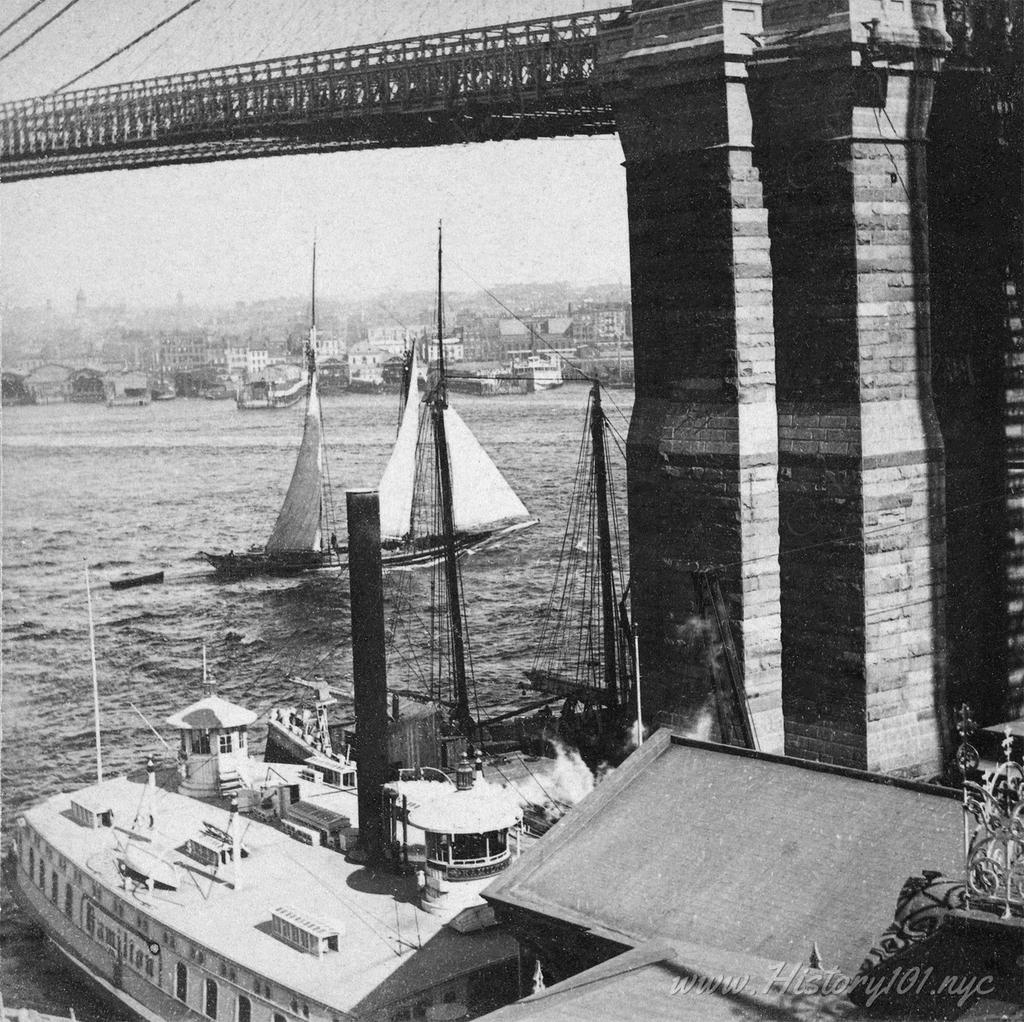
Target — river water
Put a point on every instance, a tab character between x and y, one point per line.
132	490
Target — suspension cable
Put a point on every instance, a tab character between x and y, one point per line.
24	14
126	47
36	31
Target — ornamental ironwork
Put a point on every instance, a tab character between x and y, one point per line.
993	824
530	79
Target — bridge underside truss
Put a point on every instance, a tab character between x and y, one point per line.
452	127
528	80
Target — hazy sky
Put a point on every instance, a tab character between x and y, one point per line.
542	210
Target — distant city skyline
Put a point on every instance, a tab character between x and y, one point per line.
241	231
554	295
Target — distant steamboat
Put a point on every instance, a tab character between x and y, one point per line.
278	387
537	372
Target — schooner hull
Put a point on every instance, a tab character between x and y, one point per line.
247	565
432	551
258	563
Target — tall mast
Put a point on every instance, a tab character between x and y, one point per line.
604	537
451	565
442	386
311	342
312	311
407	380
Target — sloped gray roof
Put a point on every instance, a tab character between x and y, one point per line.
746	852
663	982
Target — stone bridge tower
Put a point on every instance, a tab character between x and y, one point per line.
784	433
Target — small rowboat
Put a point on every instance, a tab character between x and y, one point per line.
137	580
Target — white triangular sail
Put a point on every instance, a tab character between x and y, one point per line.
298	524
481	497
399	478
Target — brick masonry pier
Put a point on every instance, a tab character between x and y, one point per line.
703	447
785	433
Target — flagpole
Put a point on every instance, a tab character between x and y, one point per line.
95	679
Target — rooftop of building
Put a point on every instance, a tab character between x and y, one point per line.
732	849
679	982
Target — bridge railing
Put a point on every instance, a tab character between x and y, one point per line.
499	61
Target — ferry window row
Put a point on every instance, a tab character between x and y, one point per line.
212	1002
108	930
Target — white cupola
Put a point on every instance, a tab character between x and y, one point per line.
214	748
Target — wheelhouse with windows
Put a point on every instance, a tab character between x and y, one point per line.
469	832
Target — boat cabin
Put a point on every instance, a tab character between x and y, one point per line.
466	832
213	756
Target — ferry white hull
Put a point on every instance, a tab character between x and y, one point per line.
101	966
538	375
544	380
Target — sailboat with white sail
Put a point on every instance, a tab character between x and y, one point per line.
485	508
302	538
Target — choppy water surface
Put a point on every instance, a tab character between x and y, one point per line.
134	490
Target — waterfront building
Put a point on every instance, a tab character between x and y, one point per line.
454	349
86	386
256	362
126	389
235	360
49	383
14	390
742	851
366	363
394	339
765	859
184	350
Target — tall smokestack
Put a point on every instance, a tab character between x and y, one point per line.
369	671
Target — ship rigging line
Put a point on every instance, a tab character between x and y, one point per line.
37	30
533	333
126	47
356	909
24	14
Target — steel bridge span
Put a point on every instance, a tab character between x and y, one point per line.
531	79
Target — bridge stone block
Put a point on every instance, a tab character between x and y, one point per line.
703	459
842	95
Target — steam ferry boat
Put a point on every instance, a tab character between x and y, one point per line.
229	889
537	372
277	387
